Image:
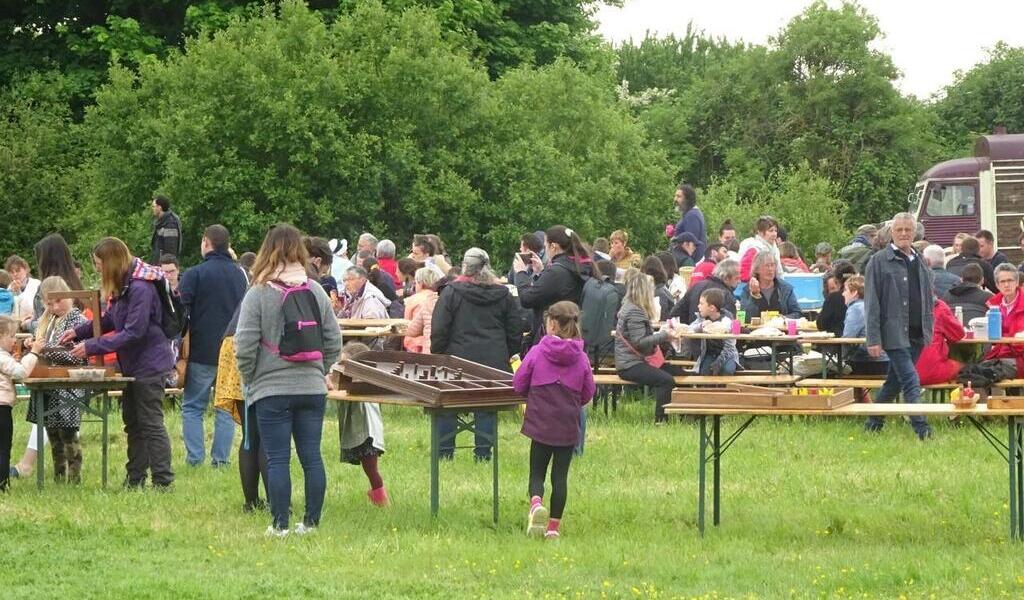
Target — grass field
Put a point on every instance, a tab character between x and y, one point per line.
811	508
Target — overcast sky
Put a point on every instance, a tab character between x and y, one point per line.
928	41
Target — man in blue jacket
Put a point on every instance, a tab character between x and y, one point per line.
210	292
898	302
691	219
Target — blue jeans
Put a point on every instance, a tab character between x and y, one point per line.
578	450
282	418
902	375
704	368
486	422
198	381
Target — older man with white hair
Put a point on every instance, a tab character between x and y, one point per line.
942	279
898	303
367	243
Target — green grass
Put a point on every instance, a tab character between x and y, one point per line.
811	508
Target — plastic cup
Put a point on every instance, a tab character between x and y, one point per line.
791	326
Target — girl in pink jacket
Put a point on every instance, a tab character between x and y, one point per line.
557	379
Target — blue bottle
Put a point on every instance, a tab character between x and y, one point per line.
995	323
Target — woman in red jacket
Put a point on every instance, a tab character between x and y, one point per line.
934	365
1011	304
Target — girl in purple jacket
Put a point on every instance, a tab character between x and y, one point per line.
557	379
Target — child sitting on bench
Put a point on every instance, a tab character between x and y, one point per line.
717	357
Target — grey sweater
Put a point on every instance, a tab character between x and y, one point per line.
265	373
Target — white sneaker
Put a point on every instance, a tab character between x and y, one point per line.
275	532
301	529
537	521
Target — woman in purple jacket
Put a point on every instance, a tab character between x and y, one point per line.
557	379
143	351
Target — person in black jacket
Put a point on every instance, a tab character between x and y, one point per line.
833	312
475	318
210	293
561	279
166	231
968	294
970	254
725	277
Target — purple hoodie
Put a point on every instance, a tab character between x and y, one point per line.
557	379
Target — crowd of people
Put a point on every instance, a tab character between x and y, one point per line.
261	331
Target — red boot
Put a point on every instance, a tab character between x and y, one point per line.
379	496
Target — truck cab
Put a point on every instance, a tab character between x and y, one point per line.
985	191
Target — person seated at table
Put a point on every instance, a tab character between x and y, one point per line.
662	297
855	326
833	312
419	308
1011	306
766	291
934	365
969	295
638	353
361	434
676	284
717	357
791	261
970	254
765	239
407	268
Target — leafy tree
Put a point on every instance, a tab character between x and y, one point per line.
374	121
989	94
40	148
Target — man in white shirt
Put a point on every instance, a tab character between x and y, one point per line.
24	286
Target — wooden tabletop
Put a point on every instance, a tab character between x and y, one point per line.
854	410
742	337
857	341
402	400
833	341
364	323
59	383
369	333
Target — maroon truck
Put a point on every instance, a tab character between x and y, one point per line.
985	191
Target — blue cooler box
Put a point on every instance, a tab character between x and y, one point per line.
808	289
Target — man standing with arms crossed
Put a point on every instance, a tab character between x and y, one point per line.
898	302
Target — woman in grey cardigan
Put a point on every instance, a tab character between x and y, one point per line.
636	341
289	395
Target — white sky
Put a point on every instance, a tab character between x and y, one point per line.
913	29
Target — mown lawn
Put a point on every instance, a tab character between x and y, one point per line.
812	508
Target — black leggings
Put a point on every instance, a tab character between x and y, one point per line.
252	463
540	456
661	381
6	437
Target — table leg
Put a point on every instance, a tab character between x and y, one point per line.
775	360
1020	481
839	360
494	461
1012	459
824	362
716	449
435	452
37	399
701	462
106	437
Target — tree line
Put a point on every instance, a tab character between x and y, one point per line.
475	119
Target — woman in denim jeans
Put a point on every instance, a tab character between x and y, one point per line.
288	395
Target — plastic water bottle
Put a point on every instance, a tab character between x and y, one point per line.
960	315
741	315
995	323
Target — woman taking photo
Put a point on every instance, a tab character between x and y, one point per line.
135	315
638	353
288	390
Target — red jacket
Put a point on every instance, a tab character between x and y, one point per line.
934	365
390	266
703	270
1013	322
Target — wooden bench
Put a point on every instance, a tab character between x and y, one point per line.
168	393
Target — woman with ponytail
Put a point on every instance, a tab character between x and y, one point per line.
561	279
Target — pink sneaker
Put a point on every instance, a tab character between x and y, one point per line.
536	520
379	496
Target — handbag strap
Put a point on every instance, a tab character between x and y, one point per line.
620	332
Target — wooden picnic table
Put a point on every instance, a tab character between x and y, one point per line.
840	344
367	323
773	341
370	333
102	387
462	423
712	446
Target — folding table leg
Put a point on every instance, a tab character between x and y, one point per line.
716	449
701	463
494	461
435	452
37	399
